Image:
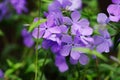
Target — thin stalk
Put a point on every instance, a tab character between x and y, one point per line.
97	69
43	66
37	44
78	71
114	27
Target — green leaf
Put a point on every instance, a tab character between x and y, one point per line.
9	72
10	63
36	24
91	52
40	62
107	67
31	68
18	65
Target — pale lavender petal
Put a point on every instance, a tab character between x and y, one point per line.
86	31
113	9
76	4
63	67
98	40
35	33
84	23
110	42
83	59
102	18
114	18
63	28
55	6
103	47
114	12
105	33
86	40
75	55
55	29
67	21
74	28
66	39
75	16
47	34
50	20
65	50
66	3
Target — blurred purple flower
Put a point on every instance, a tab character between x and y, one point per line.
1	74
103	41
116	1
3	9
27	38
19	5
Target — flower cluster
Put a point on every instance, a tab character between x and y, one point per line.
18	5
62	33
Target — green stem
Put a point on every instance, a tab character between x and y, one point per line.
37	44
78	71
97	69
43	65
114	27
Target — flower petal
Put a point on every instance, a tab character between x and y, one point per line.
75	55
55	29
75	16
83	59
65	50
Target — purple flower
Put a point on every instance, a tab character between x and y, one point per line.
19	5
3	10
46	29
103	41
57	5
27	38
76	4
79	25
69	45
114	12
102	19
1	74
60	62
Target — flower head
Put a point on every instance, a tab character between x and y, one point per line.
103	42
